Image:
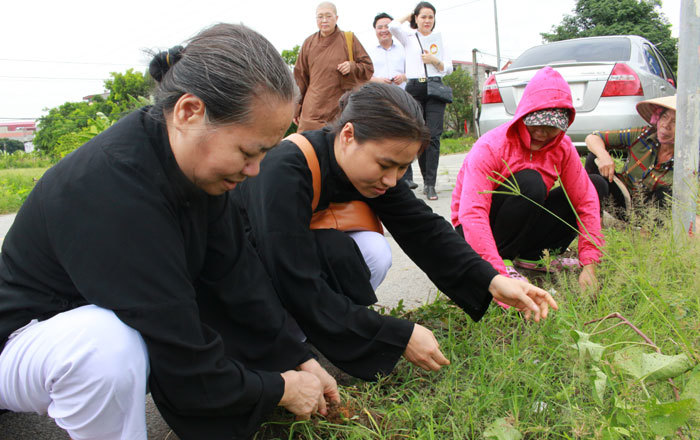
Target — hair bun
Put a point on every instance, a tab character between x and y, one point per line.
163	61
344	100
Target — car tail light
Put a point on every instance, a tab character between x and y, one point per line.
623	81
491	95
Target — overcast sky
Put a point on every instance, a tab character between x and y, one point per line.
58	51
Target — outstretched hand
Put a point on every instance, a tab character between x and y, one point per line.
522	296
423	350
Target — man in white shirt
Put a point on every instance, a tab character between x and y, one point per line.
389	60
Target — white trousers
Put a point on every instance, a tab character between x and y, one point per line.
376	252
84	368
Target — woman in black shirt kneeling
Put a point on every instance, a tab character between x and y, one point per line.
320	275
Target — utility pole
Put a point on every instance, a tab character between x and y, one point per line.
498	46
475	93
687	143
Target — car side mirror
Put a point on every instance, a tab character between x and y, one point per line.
671	81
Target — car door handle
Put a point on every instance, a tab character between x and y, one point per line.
663	88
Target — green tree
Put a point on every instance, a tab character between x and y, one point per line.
126	88
460	109
619	17
290	56
74	139
69	125
11	145
66	118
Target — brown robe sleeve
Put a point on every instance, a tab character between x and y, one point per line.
362	68
301	74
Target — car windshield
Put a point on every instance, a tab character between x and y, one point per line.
576	51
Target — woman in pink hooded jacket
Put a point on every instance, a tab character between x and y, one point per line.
532	152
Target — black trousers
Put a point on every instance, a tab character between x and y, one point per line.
523	229
657	196
434	114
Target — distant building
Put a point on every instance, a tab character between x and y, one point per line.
483	70
89	98
21	131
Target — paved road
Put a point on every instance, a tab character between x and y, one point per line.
404	281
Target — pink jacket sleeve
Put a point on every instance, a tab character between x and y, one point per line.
475	202
584	198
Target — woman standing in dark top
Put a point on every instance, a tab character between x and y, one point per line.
320	275
127	263
427	60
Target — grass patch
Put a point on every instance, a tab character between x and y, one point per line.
15	186
513	379
458	145
20	159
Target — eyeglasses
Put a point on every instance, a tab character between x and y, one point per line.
382	27
326	17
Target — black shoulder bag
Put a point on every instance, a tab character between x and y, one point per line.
436	88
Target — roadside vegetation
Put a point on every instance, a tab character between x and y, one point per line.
456	145
576	375
15	186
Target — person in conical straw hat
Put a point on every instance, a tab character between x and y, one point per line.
649	165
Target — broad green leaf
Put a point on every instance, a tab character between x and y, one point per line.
622	431
600	381
500	429
665	418
622	413
651	366
615	433
586	348
692	391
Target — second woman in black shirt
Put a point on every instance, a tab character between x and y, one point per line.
362	157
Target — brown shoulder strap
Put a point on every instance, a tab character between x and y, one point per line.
312	161
348	41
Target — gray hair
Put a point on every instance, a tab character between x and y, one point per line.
327	5
227	66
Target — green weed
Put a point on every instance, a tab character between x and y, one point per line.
20	159
459	145
15	186
564	378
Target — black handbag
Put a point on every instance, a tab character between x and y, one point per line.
436	88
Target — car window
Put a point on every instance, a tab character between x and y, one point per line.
669	72
581	50
652	61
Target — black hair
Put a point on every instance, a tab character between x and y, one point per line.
382	111
416	12
227	66
380	16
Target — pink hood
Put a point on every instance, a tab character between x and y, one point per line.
506	150
547	89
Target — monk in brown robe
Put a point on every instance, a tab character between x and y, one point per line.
324	71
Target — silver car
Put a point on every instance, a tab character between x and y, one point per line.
607	75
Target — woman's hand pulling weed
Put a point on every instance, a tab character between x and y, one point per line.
523	296
423	350
328	383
